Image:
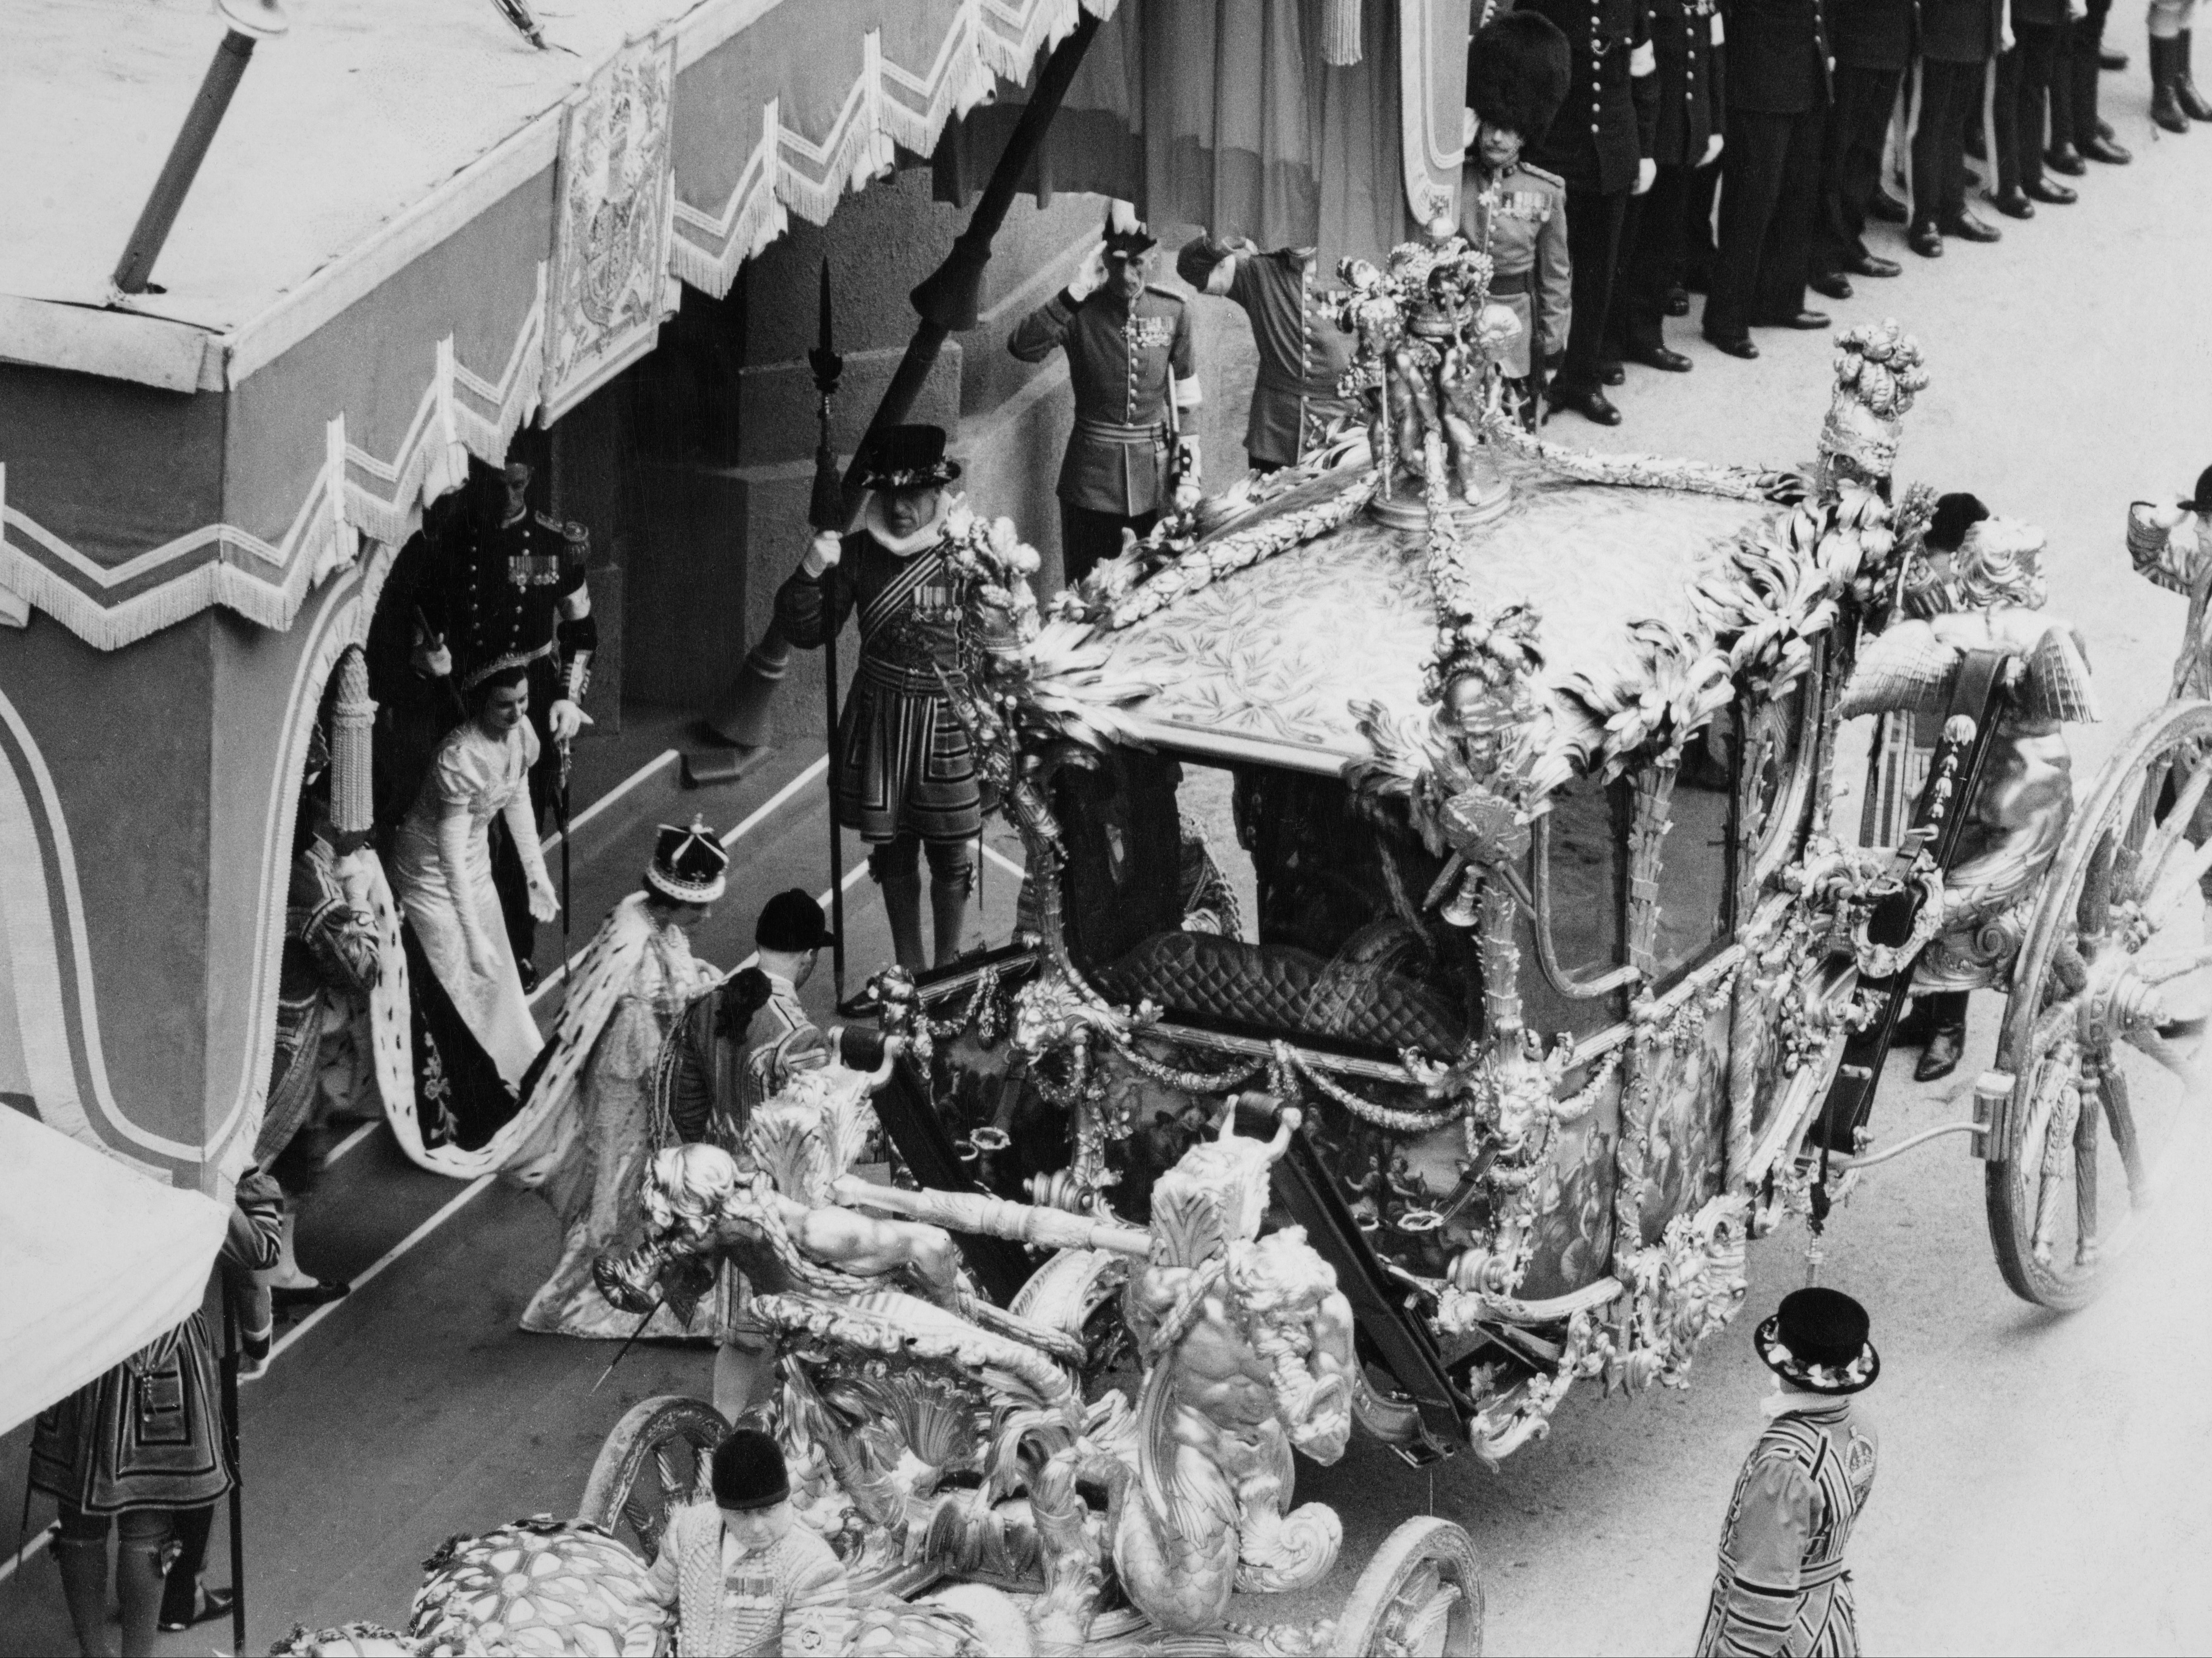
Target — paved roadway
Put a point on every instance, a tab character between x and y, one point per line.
2044	1479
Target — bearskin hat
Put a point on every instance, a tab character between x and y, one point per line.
1516	73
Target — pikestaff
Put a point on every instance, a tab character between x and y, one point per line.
827	514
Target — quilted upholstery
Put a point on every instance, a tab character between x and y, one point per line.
1281	988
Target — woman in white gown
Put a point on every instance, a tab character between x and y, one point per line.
442	872
590	1097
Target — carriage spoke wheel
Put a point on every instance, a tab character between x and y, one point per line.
657	1458
2107	1015
1421	1594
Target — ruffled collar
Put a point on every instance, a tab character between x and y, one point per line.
928	535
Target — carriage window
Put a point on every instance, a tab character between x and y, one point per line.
1693	860
1582	894
1259	902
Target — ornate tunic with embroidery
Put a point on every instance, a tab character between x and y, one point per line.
733	1605
904	765
1782	1587
330	964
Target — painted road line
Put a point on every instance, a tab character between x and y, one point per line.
811	775
353	1139
611	797
1005	862
453	1207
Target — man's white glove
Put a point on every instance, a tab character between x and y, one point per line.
1646	171
823	553
1090	275
564	719
435	658
1713	146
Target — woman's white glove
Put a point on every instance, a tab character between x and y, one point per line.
1713	146
545	902
1646	171
823	553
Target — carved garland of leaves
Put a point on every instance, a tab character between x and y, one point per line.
1020	675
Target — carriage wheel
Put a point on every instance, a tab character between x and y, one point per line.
656	1458
2102	1063
1422	1593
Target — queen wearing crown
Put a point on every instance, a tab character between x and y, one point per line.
589	1094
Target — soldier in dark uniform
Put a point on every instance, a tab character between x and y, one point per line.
1873	43
1778	100
512	593
1130	362
1517	72
1303	352
2029	73
1601	146
1686	136
1958	38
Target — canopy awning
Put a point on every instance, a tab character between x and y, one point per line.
95	1261
413	232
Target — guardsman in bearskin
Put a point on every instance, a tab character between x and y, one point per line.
905	775
1686	136
1133	453
1516	73
1782	1587
1303	352
1601	146
514	595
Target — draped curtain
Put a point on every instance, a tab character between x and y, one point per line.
1220	113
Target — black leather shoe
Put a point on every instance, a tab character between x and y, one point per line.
2013	204
1872	265
1831	284
2101	149
1968	228
1592	404
1806	320
2065	159
1940	1057
1678	302
2042	190
1659	357
1612	373
1741	346
1925	240
2105	129
1887	208
2110	57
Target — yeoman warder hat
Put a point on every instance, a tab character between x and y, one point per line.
1817	1340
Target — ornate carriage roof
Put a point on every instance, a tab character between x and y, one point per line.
1266	663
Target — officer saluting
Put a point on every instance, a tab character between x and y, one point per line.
1516	73
1302	351
1135	377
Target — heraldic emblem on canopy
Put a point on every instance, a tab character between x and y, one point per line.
613	218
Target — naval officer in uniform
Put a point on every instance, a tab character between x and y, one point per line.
1517	75
1133	453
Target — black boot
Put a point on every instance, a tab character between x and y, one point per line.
2165	107
1945	1012
2185	82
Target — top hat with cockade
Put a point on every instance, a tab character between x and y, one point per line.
907	457
1955	514
792	922
688	864
1817	1340
1517	71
